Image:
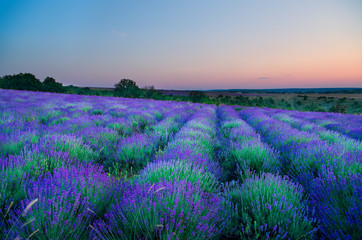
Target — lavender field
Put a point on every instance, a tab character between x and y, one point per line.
86	167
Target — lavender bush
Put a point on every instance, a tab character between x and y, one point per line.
268	207
243	148
164	210
337	200
68	201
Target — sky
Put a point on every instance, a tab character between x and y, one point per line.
188	44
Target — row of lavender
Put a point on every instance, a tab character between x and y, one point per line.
174	197
263	204
326	163
111	168
349	125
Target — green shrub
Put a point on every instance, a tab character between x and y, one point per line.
179	170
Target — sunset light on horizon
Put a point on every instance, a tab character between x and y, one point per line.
185	44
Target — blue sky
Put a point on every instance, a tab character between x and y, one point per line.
185	44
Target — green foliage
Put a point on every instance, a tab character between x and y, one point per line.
180	170
59	121
255	157
15	145
75	147
11	148
86	109
152	93
46	116
196	96
37	164
11	193
338	108
229	125
164	131
121	128
127	88
134	153
97	112
269	102
121	175
11	186
138	123
314	107
21	81
50	85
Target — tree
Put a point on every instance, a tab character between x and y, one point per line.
127	88
269	102
50	85
197	96
149	92
338	108
2	82
21	81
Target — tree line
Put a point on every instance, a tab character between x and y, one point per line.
27	81
128	88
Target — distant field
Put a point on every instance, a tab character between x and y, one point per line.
296	101
350	103
89	167
355	96
289	95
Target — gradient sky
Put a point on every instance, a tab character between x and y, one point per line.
199	44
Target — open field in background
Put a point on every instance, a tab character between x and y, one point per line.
88	167
324	102
296	101
351	103
350	96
